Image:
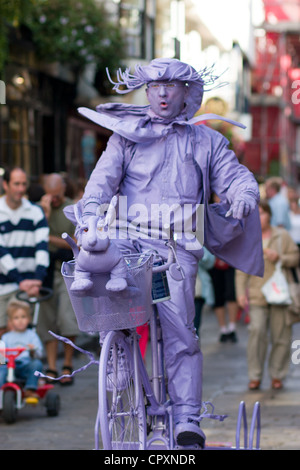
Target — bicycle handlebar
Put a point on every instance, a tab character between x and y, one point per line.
172	263
11	355
165	266
17	350
45	294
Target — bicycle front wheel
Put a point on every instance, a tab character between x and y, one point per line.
121	400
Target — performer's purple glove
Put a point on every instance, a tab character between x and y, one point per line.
242	206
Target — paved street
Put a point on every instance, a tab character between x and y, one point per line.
225	385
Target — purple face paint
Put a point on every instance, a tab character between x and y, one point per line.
167	99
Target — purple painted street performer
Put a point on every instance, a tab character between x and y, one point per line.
158	158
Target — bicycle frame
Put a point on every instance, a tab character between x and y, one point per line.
155	393
157	408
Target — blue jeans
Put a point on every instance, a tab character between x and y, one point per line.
24	370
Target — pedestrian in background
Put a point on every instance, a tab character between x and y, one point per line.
56	314
277	245
204	293
225	306
294	213
24	233
279	204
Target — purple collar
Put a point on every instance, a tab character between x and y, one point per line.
138	123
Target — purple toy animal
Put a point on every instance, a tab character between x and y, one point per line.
97	254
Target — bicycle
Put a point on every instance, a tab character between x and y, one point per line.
134	412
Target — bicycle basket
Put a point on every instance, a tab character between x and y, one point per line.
103	310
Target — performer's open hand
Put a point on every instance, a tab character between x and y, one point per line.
242	207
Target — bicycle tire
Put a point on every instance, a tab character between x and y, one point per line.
122	421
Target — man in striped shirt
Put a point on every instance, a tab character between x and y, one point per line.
24	237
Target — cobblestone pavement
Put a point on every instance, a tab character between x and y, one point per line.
225	385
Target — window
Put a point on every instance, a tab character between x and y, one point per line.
137	21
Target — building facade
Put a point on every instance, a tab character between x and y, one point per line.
40	128
275	94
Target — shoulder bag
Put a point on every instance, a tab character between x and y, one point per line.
276	289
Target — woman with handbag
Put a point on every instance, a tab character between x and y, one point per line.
278	246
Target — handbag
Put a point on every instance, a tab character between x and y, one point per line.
276	289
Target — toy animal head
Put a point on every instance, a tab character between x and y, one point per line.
92	234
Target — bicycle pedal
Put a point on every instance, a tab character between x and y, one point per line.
189	447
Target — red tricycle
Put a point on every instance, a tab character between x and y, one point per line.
12	396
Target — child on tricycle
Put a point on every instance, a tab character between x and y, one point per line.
19	335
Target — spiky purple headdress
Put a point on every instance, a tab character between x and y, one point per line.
168	69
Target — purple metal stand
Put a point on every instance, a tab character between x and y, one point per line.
242	426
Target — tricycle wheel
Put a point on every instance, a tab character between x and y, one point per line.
52	404
9	411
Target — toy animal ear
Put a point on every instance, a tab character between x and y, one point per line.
69	213
111	213
73	213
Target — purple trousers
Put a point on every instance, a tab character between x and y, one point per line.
183	358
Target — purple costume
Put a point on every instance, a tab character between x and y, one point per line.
152	160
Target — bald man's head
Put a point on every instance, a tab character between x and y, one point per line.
55	186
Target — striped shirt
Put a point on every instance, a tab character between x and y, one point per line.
24	236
